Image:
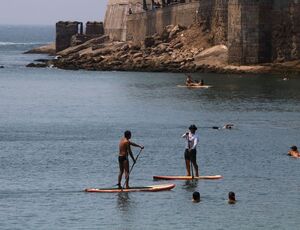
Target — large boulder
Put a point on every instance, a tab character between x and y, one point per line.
90	43
216	55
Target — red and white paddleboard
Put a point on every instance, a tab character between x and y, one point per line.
187	177
152	188
196	86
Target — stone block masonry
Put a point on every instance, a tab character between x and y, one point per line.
286	30
64	33
94	28
71	33
154	21
211	15
116	15
249	31
255	31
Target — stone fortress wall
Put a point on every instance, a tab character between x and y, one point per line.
255	31
71	33
212	15
117	13
285	30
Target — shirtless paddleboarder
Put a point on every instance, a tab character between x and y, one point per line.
124	151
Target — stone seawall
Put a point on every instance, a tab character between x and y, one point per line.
194	35
115	20
263	31
144	24
64	33
286	31
255	31
249	31
210	14
219	22
116	15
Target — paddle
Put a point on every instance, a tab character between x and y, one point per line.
191	164
192	169
209	127
226	126
132	167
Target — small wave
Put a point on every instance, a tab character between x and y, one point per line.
21	43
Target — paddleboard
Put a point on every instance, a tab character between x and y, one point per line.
195	86
152	188
187	177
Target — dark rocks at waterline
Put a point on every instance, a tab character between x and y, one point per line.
42	60
1	67
42	63
37	65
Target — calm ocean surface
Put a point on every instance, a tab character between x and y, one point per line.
59	134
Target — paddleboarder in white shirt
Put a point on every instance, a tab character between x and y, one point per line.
190	153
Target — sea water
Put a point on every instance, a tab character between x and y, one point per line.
59	134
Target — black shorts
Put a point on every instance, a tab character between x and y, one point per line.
122	159
190	155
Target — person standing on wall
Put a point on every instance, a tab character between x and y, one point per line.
190	153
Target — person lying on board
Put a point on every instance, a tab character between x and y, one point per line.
294	152
198	83
190	150
124	151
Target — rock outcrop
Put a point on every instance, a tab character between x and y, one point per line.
173	50
46	49
176	49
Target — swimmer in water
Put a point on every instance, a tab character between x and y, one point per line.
196	197
231	198
294	152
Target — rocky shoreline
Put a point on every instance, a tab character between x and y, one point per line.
177	49
45	49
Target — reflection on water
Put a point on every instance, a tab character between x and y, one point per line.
190	185
123	201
